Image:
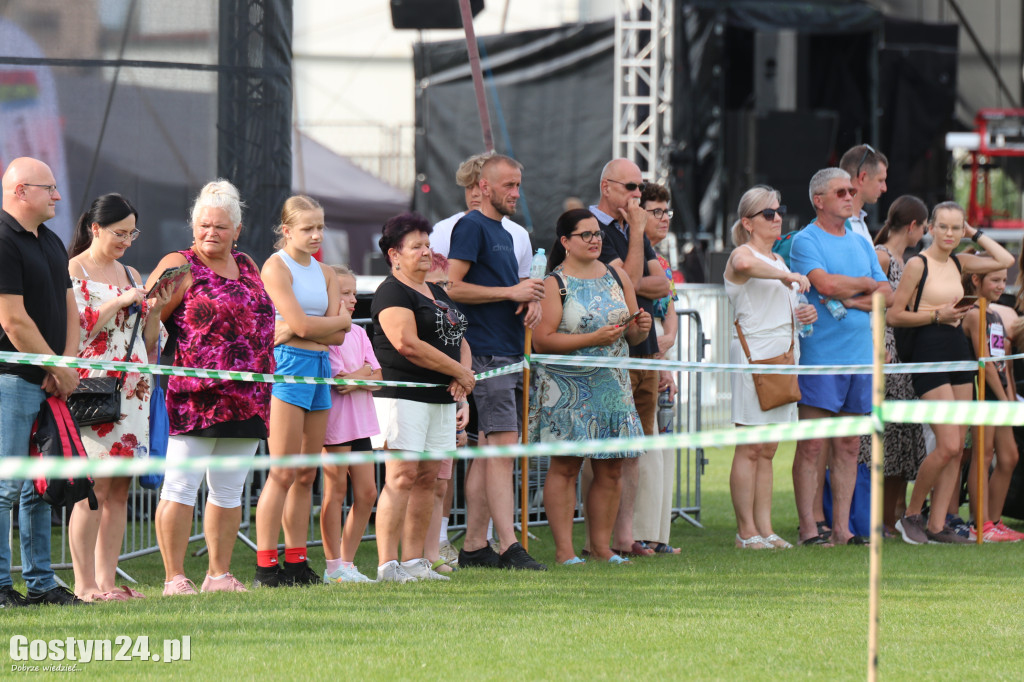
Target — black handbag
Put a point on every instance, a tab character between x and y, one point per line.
97	400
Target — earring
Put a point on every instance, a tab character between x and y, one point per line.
235	246
397	267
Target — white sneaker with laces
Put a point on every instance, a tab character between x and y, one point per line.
421	570
346	574
392	572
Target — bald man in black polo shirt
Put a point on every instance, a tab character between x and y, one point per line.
625	245
38	314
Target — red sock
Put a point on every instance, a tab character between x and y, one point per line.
267	558
294	555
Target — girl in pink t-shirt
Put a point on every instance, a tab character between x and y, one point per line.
351	422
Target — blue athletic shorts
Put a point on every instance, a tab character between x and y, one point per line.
306	363
849	393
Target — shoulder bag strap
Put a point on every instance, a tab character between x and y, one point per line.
561	286
920	285
135	329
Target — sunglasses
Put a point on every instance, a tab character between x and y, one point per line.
449	314
868	149
630	186
589	235
770	213
660	212
842	192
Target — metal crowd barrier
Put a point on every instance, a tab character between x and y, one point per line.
703	403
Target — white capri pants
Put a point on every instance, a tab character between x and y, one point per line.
225	486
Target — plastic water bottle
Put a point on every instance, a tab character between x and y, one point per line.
666	410
836	307
539	266
805	329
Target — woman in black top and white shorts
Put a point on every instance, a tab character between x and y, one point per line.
417	337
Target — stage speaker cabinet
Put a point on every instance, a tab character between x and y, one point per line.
424	14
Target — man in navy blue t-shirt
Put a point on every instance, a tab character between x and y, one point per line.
485	282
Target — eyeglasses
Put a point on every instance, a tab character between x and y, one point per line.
842	192
124	236
449	314
770	213
631	186
659	212
51	189
868	149
589	236
444	283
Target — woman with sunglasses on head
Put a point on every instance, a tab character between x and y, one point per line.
417	337
587	309
111	304
928	300
763	293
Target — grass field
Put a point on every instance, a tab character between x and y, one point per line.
714	612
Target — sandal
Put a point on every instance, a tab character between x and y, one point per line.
440	564
815	541
752	542
132	594
616	559
857	540
662	548
575	561
776	542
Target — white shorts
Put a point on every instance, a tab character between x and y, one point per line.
418	427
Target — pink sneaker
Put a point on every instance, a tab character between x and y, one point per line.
225	583
1009	532
179	584
989	533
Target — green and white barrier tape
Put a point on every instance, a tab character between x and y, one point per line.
39	360
646	363
935	412
12	468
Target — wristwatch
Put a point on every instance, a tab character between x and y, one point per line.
974	237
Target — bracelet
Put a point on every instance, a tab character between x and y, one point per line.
935	317
974	237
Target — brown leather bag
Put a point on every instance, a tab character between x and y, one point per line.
773	390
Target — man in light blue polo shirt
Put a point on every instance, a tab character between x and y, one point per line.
844	272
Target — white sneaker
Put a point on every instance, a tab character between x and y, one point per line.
346	574
392	572
421	570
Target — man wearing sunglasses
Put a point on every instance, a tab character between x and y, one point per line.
868	169
843	269
623	221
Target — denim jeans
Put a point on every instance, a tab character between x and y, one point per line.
19	406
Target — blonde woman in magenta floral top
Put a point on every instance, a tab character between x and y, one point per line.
225	321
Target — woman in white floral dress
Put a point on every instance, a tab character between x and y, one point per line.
109	301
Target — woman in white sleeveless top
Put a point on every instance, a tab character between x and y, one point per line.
760	287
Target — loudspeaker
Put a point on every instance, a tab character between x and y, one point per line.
430	13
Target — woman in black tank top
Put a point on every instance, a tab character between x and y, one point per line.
939	339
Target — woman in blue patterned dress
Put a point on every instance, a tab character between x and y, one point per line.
569	402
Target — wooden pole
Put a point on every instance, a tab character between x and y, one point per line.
524	462
979	431
875	545
478	77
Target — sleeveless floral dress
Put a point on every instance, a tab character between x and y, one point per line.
223	324
570	402
128	437
903	444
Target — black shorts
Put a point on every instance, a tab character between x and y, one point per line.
940	343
